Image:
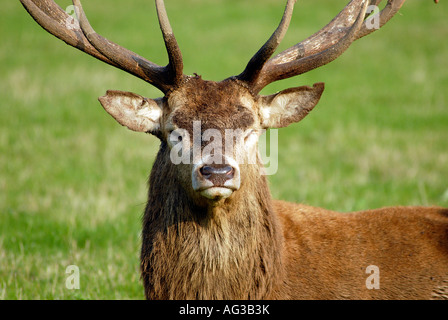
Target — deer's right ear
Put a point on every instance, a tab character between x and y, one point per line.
133	111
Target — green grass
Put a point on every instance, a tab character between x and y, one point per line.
73	182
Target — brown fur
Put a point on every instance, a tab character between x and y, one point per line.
191	251
254	248
328	252
215	103
251	247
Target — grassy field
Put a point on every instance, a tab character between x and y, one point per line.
73	182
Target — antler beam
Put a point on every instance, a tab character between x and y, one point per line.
319	49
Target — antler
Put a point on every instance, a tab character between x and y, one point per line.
82	36
321	48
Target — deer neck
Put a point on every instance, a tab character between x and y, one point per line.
226	250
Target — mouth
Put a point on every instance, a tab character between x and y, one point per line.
216	193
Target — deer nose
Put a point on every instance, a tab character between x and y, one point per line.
216	181
217	174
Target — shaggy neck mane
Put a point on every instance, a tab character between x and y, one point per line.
225	251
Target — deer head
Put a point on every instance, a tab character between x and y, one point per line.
214	125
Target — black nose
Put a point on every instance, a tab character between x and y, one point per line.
217	174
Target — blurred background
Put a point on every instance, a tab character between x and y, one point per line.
73	182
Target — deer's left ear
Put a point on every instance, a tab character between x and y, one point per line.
133	111
288	106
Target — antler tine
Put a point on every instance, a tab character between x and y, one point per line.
321	48
336	28
253	68
274	72
55	20
161	77
174	53
325	37
386	14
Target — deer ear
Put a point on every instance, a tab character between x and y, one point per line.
133	111
288	106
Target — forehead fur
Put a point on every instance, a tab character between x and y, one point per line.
218	105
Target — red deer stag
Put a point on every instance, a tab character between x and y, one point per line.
210	227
